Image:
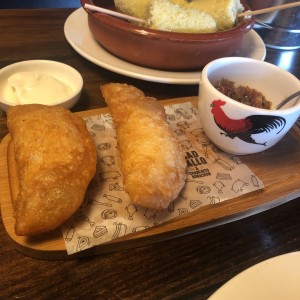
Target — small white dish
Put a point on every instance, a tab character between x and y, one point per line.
238	128
62	72
274	279
81	39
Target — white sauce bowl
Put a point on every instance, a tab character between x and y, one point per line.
59	71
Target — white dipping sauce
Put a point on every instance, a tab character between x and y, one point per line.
34	87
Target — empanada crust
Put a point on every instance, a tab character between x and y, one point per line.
55	160
151	159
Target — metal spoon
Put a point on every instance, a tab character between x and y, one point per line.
288	99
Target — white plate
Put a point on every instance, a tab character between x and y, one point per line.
277	278
81	39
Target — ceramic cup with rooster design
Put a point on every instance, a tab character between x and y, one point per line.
239	128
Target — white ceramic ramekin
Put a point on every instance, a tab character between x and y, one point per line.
238	128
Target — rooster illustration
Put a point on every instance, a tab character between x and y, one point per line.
244	128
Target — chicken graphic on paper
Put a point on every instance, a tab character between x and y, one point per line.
245	128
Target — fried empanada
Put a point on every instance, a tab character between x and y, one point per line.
55	159
151	159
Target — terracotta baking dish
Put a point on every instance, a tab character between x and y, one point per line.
161	49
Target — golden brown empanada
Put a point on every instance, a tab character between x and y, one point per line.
151	159
55	159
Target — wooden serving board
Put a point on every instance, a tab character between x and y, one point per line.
278	167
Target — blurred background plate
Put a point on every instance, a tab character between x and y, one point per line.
273	279
81	39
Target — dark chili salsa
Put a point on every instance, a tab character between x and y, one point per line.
242	94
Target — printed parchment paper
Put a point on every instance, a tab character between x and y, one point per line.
107	213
